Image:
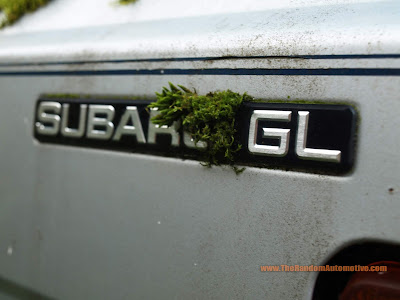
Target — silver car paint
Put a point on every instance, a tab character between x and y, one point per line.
92	224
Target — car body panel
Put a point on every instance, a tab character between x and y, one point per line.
97	224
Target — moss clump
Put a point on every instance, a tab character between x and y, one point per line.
208	118
15	9
125	2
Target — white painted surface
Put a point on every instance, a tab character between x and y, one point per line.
64	14
94	224
360	28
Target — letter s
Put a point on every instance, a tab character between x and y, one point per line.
48	118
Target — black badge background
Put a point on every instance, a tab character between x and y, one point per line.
330	127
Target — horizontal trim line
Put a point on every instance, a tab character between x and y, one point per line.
340	56
272	72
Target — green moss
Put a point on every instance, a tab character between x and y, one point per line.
208	118
125	2
15	9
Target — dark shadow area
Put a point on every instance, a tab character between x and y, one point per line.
329	285
16	291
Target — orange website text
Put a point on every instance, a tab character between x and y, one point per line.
326	268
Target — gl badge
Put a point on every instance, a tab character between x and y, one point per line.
308	137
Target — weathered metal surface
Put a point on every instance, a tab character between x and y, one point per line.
93	224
